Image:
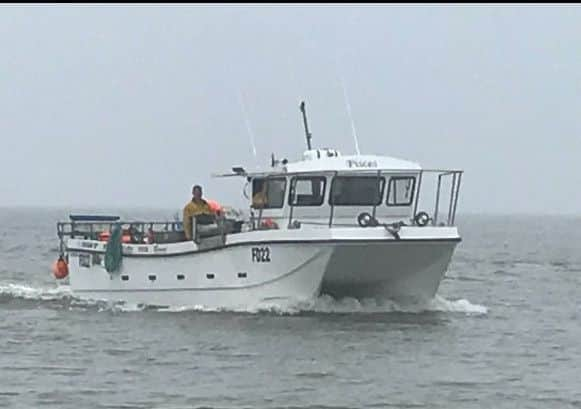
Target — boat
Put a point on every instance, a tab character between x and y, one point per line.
346	226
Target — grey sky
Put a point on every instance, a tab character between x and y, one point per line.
129	106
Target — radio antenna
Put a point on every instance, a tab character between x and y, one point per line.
348	105
307	133
247	122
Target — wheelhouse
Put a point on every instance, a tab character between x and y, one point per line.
330	190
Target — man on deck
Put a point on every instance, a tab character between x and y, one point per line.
195	207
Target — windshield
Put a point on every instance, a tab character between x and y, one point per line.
357	190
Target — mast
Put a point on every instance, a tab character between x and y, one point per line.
307	133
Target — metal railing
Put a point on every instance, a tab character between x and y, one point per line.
91	229
138	231
453	203
454	191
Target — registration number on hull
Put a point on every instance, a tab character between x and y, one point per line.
260	254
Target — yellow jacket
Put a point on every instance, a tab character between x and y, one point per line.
194	208
259	200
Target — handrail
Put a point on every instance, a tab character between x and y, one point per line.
90	228
437	206
282	173
452	192
332	211
167	226
456	198
292	206
452	206
417	193
381	200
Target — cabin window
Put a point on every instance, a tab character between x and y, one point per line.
356	190
400	190
85	260
307	191
268	193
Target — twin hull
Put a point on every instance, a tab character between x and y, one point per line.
248	272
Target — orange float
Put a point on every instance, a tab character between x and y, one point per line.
60	269
269	223
104	236
214	206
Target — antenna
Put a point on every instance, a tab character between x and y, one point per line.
347	104
350	116
307	133
247	122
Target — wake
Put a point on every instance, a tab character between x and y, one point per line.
323	304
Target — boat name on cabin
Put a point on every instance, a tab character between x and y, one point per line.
361	163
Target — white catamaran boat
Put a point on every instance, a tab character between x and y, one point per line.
347	226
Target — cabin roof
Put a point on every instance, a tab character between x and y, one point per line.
342	164
352	163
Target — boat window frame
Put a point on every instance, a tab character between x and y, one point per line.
266	179
413	190
381	178
294	179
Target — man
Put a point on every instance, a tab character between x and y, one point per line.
258	193
196	207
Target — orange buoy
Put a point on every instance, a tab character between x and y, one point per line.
269	223
126	238
104	236
214	206
60	269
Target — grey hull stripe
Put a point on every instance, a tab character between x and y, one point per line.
267	242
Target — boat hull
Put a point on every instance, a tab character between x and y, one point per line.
239	277
275	266
407	271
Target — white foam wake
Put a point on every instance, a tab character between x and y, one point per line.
326	304
60	294
323	304
462	305
34	293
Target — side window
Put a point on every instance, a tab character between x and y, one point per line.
268	193
357	191
400	190
307	191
